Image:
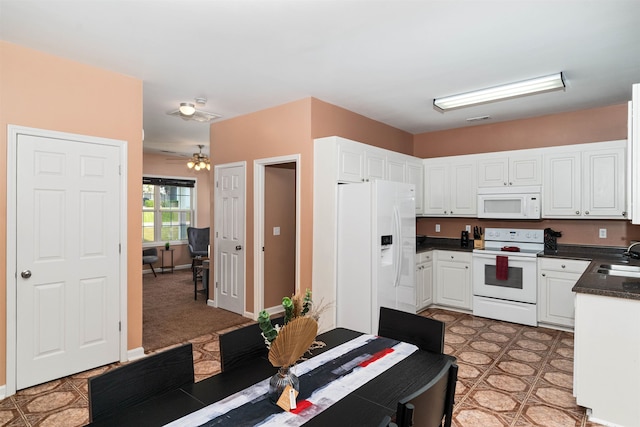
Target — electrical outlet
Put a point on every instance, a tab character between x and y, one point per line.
437	228
603	233
467	228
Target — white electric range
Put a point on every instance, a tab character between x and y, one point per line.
505	275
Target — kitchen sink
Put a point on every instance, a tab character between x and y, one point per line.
619	270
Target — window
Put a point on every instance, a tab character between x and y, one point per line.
167	209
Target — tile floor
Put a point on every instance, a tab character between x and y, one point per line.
509	375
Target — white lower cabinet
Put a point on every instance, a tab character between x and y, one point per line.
606	371
424	280
453	279
556	300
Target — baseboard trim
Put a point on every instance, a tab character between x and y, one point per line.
136	353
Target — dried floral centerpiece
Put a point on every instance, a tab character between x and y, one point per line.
288	343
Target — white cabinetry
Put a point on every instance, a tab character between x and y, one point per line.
453	279
450	186
606	356
415	176
587	181
634	155
513	169
556	278
356	164
424	280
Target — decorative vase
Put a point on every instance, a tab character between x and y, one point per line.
280	381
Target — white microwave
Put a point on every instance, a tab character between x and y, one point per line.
509	202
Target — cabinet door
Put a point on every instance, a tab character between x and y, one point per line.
453	284
396	170
604	191
556	300
493	172
561	189
463	195
415	176
350	163
525	170
436	189
427	284
375	166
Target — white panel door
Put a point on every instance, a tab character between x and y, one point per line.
67	258
230	237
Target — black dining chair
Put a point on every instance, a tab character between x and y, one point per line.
140	380
242	345
198	245
149	256
426	333
432	404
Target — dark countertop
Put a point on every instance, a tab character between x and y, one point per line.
443	244
592	282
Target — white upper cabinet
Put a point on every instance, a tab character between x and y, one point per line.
510	169
357	164
450	186
589	181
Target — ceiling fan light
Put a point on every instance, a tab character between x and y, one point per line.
202	164
190	164
197	167
511	90
187	109
208	167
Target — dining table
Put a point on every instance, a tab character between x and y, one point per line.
366	405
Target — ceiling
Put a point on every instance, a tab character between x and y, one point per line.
384	59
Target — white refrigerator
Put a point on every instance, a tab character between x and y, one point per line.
376	252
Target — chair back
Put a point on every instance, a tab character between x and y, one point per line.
150	252
426	333
242	345
198	241
140	380
431	404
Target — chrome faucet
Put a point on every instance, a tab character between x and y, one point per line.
632	254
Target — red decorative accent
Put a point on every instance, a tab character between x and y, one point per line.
502	267
378	355
301	406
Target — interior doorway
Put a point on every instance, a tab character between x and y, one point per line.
277	219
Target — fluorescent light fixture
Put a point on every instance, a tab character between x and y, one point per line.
187	109
526	87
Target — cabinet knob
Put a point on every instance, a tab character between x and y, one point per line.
451	212
563	266
466	267
511	183
504	183
544	274
577	212
586	212
624	214
451	256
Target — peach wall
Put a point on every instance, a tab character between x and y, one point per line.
577	127
176	167
329	120
279	250
290	129
46	92
278	131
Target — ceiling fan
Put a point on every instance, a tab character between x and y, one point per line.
199	161
188	111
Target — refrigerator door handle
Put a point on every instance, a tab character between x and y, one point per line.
398	232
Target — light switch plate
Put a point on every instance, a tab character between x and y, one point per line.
603	233
437	228
276	231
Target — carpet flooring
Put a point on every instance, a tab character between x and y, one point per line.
171	315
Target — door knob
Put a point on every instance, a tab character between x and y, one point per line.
238	247
26	274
